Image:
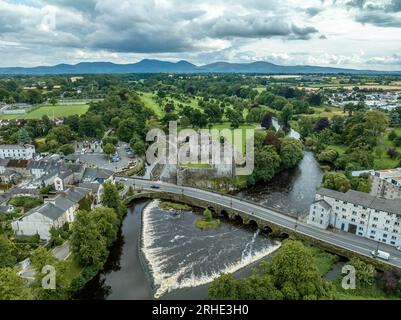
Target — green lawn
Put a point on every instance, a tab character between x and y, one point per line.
50	111
73	268
148	98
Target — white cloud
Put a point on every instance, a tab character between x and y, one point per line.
203	31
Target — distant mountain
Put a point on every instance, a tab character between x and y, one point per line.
157	66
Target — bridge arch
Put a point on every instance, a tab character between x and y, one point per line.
267	230
237	219
224	214
253	225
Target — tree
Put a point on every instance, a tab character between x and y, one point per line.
23	136
7	252
138	145
392	135
62	134
67	149
295	274
328	155
376	121
130	191
87	243
111	198
315	99
107	223
365	273
336	181
12	287
267	162
267	120
207	214
321	124
235	117
272	140
291	152
109	149
287	113
224	287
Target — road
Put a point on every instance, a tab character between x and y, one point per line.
344	240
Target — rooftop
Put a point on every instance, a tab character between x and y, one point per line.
364	199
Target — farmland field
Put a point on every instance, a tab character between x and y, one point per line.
50	111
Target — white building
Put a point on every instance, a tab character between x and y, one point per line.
53	213
386	183
358	213
18	152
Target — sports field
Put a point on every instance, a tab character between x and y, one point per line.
50	110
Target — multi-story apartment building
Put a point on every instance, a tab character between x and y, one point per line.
386	184
17	151
359	213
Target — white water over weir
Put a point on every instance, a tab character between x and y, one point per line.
179	255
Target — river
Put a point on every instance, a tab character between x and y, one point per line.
161	254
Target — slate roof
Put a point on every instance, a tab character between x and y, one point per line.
89	185
55	209
364	199
91	174
324	204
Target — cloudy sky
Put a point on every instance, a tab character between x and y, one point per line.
347	33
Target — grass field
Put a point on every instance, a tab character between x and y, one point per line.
148	98
50	110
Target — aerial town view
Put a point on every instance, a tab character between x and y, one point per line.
203	151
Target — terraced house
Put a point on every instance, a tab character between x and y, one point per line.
359	213
53	213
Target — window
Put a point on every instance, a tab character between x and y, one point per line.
387	221
354	213
344	217
375	219
373	232
393	238
337	208
384	235
344	209
360	233
392	242
372	237
374	225
361	228
353	220
363	215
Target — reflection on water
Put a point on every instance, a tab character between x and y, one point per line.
291	191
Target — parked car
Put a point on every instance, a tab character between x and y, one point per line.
155	187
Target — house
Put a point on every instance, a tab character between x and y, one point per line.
386	183
10	176
53	213
96	188
3	165
358	213
97	175
19	166
17	151
48	172
63	179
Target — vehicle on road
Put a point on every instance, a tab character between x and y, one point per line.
155	187
381	254
399	248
